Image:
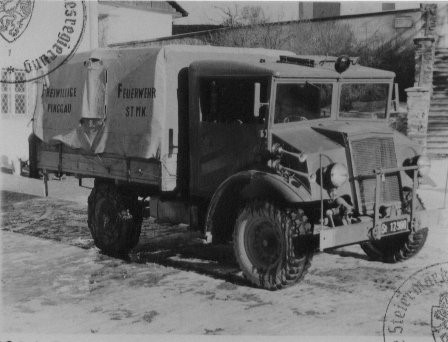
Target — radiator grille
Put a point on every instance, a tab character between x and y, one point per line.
370	154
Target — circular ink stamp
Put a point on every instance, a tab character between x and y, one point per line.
37	37
418	310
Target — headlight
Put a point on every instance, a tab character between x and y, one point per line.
424	165
338	175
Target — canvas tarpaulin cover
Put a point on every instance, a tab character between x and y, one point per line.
138	87
107	101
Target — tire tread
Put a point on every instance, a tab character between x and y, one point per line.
292	268
128	219
398	248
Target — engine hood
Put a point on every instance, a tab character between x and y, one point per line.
311	137
306	139
353	128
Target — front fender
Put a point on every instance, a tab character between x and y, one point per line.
240	188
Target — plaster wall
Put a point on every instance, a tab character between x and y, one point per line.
117	25
353	7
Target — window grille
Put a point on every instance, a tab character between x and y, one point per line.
20	96
5	103
4	78
20	104
6	89
13	95
20	77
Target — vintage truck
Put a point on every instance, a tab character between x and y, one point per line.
279	154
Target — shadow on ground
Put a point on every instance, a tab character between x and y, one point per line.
189	253
350	254
165	244
8	198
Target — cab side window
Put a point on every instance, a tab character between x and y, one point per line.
230	100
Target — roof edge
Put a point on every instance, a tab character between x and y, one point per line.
178	8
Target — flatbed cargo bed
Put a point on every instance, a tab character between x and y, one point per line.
84	165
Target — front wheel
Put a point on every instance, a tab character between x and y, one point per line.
114	219
270	245
401	247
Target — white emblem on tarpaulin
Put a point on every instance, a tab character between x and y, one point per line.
439	319
15	16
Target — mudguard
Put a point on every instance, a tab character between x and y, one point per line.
240	188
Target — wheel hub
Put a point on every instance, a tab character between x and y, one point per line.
264	246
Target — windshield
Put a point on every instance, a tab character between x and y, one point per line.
364	101
302	101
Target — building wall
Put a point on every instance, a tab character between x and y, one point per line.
12	106
386	26
326	9
16	105
314	10
17	101
106	24
117	24
383	27
305	10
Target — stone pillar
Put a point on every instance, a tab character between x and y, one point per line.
429	16
424	61
442	25
418	97
418	100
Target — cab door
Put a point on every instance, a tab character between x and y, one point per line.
227	138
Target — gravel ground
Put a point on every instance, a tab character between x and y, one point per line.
55	281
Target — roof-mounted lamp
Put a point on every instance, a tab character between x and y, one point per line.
342	64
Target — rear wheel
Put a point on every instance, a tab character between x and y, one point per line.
270	245
114	219
400	247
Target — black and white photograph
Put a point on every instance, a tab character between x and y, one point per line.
257	170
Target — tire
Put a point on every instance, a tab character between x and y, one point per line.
266	245
114	219
401	247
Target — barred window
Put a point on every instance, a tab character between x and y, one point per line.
14	95
5	94
20	77
5	86
20	103
5	103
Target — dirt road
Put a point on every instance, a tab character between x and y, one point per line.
55	281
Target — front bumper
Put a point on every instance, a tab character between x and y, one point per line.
363	231
374	228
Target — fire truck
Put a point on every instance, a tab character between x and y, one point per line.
279	154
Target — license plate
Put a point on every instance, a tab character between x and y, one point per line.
394	226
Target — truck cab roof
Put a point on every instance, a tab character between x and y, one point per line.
286	70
